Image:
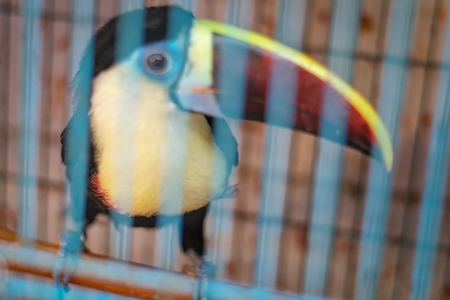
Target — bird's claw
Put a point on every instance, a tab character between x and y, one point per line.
71	244
200	268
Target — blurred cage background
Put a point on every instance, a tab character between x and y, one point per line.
391	51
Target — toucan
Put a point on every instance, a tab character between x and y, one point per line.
154	110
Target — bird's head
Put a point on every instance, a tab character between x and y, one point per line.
223	71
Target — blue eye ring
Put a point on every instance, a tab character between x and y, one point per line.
157	62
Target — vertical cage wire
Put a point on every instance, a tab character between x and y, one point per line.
168	239
220	212
167	251
77	137
380	182
223	223
130	34
302	163
30	105
408	216
343	39
82	28
349	281
277	152
433	194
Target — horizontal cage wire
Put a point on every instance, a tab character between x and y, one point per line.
317	212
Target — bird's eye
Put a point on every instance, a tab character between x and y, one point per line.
157	63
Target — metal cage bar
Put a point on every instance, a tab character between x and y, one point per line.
82	28
380	181
435	185
221	213
277	152
328	169
30	105
408	217
383	15
130	34
168	237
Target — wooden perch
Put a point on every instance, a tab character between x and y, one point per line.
118	277
95	271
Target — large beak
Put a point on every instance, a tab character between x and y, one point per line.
249	60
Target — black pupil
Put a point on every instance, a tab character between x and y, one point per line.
157	62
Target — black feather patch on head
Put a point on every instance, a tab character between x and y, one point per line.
158	23
154	28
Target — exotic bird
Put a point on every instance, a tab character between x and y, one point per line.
154	108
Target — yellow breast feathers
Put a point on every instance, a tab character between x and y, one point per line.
152	158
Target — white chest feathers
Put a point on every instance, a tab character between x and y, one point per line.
152	158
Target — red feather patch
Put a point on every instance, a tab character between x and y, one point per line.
99	192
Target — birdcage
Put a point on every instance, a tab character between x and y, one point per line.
312	218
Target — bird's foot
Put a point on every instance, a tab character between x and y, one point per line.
204	269
71	244
200	268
